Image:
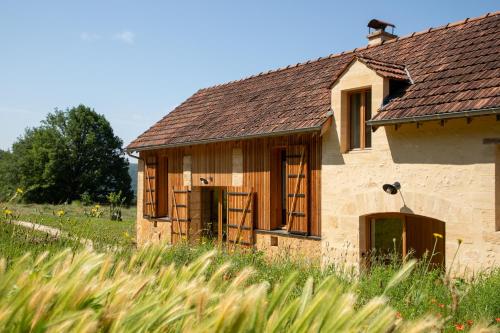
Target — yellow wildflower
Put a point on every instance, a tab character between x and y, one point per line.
436	235
97	206
60	213
7	212
19	190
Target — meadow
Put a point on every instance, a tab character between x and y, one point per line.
203	288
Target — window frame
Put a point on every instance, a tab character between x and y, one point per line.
363	128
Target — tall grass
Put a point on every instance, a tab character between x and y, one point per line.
87	292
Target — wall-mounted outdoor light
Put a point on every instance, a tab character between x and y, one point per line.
391	188
204	181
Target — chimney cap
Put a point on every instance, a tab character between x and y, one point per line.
379	24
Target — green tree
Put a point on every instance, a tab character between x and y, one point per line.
70	153
7	176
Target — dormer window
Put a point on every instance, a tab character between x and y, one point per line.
360	110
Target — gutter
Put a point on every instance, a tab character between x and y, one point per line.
233	138
443	116
138	158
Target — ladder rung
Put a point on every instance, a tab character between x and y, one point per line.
296	176
239	210
238	193
242	227
300	214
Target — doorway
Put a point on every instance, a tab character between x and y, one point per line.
403	234
278	188
213	213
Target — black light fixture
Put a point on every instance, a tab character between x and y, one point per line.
204	180
391	188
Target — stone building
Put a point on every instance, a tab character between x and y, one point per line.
391	146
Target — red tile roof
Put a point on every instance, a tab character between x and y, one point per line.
454	68
386	69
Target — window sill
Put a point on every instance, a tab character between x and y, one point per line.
359	151
285	233
158	219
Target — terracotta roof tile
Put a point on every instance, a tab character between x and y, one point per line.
390	70
454	68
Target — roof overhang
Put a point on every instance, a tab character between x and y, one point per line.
436	116
321	129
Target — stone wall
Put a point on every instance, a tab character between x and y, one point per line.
446	172
288	246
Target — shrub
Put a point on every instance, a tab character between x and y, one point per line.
86	199
116	201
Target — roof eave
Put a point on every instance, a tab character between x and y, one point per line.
439	116
319	128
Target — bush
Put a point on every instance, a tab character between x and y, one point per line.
86	199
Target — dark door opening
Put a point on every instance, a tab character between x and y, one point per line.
278	188
213	213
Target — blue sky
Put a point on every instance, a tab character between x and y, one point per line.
134	61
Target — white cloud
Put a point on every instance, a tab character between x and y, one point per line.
89	36
125	36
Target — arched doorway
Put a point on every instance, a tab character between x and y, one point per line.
403	233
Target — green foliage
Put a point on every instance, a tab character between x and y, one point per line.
16	241
415	292
140	294
7	176
86	199
77	223
70	153
94	212
116	201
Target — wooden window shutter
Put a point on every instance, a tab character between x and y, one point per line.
297	192
240	213
150	187
180	214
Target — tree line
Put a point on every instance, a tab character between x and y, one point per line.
73	153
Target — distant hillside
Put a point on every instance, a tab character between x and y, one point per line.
132	171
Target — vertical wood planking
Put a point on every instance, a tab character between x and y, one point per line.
215	160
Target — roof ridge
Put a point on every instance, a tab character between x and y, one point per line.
353	51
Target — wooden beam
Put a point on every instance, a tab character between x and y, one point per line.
403	238
362	119
242	220
219	216
297	186
177	214
149	190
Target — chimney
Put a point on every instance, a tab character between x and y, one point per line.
379	35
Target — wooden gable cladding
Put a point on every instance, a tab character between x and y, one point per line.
240	215
297	192
180	213
214	162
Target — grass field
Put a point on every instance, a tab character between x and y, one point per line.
454	303
15	241
100	230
